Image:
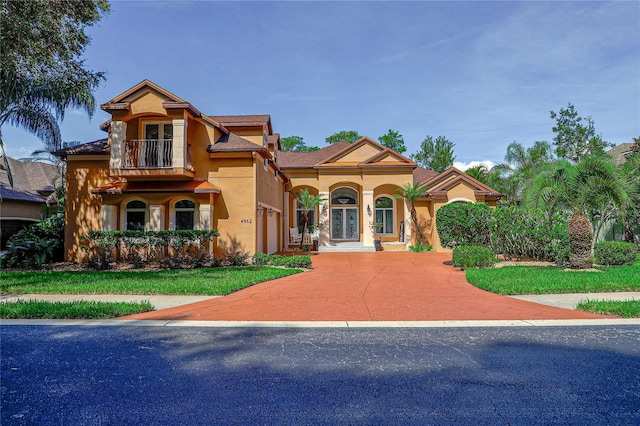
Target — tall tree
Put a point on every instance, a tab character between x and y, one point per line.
519	167
593	184
296	144
576	136
393	140
343	135
42	71
436	155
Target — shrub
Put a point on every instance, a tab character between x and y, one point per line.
615	253
199	259
38	244
261	259
236	259
466	257
532	234
418	248
464	224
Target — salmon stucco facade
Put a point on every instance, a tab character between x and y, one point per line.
165	165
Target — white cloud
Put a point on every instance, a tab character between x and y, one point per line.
464	166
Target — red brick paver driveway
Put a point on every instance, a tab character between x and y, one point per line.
379	286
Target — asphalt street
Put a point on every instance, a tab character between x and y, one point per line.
128	375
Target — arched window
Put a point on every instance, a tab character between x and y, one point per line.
185	214
342	196
136	216
384	215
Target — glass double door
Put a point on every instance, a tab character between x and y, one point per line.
344	223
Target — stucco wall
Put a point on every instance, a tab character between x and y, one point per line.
83	209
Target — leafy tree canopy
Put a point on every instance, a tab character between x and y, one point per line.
393	140
436	155
344	135
296	144
576	136
42	71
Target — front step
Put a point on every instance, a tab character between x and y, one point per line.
394	246
354	246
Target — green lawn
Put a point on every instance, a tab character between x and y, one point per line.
31	309
213	281
549	280
625	309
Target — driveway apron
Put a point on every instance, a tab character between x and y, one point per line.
376	286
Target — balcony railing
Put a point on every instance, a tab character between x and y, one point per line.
148	153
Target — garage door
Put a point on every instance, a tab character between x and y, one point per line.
272	233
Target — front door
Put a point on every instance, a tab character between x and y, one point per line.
344	223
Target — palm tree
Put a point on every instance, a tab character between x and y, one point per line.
411	193
592	184
35	104
307	203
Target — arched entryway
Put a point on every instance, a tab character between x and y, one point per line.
345	215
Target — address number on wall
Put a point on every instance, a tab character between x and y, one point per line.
245	220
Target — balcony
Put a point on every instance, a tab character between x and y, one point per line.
147	154
151	159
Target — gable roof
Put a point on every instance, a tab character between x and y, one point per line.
301	160
441	183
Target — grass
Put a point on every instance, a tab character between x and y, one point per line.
624	309
552	280
210	281
32	309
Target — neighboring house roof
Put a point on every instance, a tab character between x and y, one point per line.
100	146
620	152
32	181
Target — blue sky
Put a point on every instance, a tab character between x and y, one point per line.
483	74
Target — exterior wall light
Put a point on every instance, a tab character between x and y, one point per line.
369	209
270	211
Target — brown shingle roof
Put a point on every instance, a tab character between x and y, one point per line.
100	146
620	152
234	143
31	180
421	175
241	120
309	159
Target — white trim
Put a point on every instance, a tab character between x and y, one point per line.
172	211
460	199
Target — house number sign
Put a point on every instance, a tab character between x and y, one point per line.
245	220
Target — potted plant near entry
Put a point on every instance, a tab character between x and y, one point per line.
376	241
308	202
314	231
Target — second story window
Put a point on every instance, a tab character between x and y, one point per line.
155	130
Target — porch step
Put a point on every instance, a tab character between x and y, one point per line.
394	247
346	247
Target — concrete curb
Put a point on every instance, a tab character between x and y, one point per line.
326	324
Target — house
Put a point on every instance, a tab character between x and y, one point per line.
166	165
620	152
24	203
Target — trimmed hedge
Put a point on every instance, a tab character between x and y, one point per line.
615	253
466	257
300	261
